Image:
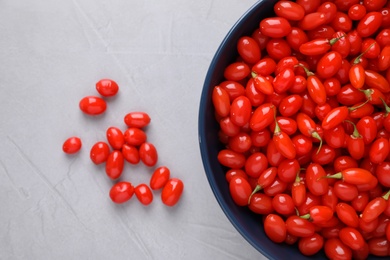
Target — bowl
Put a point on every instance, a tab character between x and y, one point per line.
248	224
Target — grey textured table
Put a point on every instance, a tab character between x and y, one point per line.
55	206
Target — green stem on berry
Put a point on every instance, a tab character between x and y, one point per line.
355	133
334	40
387	108
386	195
358	106
357	59
318	137
307	71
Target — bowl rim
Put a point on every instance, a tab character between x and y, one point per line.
231	34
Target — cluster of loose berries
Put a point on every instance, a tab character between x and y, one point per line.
130	145
305	124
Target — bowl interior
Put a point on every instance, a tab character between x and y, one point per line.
246	222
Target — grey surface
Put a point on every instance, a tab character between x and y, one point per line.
55	206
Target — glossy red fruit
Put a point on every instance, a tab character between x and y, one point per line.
221	101
260	204
307	126
240	111
323	31
312	20
92	105
374	5
264	67
357	76
382	172
283	143
375	80
121	192
330	199
289	10
265	179
137	119
233	88
335	249
114	165
286	124
316	90
311	245
315	181
290	105
356	176
335	137
299	227
148	154
228	128
347	214
341	22
172	192
379	150
356	12
262	117
255	96
374	208
329	9
345	191
275	228
303	144
236	71
309	5
283	204
369	24
240	190
115	137
352	238
379	246
355	42
284	81
319	214
240	143
367	128
276	187
159	177
329	64
335	117
255	164
248	49
275	27
231	159
384	58
107	87
130	154
260	138
278	48
230	174
317	46
143	194
99	152
134	136
260	38
262	84
298	191
72	145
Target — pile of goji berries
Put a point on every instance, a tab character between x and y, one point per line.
130	146
304	119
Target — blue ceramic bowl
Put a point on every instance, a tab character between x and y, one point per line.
246	222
